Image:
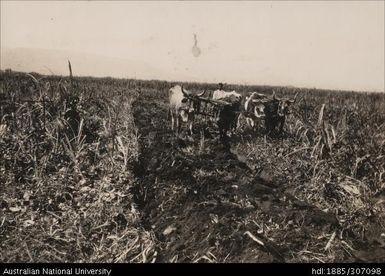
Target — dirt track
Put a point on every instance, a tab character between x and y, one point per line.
204	204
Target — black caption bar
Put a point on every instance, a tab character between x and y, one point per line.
351	269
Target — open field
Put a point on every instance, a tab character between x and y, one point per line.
90	172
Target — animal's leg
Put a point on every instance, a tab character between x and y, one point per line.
281	124
239	125
172	122
221	134
178	125
267	127
235	125
250	123
191	127
220	126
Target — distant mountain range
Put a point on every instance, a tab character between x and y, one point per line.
55	62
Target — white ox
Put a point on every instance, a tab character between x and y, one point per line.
270	108
254	108
182	107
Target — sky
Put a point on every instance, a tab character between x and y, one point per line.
332	45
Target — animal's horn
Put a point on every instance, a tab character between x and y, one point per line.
252	95
294	99
260	101
33	78
273	96
257	101
184	92
201	94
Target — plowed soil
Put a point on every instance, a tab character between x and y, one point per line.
206	204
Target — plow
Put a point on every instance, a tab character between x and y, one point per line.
226	109
208	107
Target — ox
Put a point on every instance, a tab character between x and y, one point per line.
182	108
227	116
274	111
284	110
254	108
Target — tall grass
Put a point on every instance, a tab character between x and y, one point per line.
65	193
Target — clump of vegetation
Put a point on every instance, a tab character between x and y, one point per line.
66	146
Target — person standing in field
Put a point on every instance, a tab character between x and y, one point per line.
219	93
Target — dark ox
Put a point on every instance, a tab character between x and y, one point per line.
284	110
183	107
228	110
228	115
274	111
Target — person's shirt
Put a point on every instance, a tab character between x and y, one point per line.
226	96
219	94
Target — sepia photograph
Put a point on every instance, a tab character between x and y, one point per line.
191	132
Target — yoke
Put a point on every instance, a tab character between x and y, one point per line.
210	107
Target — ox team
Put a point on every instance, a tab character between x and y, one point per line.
228	106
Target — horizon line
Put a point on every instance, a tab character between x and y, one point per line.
193	79
197	82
